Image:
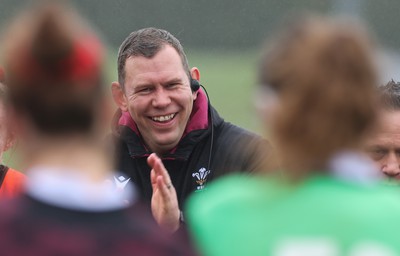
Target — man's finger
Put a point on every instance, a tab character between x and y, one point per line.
151	160
153	179
156	164
160	170
165	189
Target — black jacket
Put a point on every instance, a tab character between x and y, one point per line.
233	149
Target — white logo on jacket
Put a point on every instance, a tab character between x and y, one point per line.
121	182
201	177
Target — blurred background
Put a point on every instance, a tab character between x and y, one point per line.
223	37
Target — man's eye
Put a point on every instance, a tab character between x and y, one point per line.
172	85
377	153
144	90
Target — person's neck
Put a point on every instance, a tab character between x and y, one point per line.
75	154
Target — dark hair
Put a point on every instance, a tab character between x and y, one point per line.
53	67
390	95
147	42
323	73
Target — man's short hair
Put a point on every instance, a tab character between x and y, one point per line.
390	95
147	42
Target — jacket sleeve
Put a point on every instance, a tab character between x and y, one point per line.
243	151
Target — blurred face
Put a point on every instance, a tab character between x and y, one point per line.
384	146
159	98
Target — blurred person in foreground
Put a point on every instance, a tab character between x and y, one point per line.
320	75
384	144
53	63
170	140
11	181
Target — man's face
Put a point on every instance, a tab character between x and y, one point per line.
384	145
159	97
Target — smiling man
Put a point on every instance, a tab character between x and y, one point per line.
159	98
384	145
164	111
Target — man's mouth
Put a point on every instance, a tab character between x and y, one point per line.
162	119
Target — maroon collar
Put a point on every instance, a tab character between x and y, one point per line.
198	119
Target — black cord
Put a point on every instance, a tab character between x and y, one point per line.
212	128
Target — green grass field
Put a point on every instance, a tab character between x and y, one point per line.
230	80
228	77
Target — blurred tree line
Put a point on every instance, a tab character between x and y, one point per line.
222	24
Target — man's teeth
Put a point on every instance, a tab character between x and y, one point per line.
163	118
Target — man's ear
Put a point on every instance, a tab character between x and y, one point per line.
119	96
195	74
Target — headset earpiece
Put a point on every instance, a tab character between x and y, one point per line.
194	85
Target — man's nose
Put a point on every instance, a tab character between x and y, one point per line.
391	167
161	99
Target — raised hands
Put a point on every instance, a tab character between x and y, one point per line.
164	202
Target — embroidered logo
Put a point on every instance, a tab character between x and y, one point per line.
201	177
121	181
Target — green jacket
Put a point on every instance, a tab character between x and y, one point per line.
321	215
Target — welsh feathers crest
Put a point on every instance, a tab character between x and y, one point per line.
201	177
